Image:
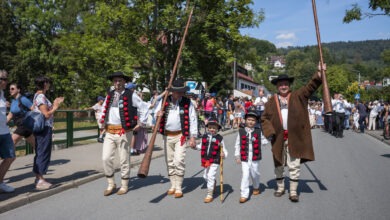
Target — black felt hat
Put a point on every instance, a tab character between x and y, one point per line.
282	77
253	113
119	74
179	85
213	121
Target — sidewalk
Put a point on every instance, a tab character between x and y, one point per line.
378	134
69	168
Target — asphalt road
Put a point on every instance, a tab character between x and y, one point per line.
348	180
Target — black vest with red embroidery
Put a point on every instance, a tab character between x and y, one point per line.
184	106
244	144
127	112
214	152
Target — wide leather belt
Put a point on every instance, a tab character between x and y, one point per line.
172	133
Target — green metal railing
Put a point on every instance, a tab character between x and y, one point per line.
68	116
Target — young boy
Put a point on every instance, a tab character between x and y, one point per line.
211	155
248	154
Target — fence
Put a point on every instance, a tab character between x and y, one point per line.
74	121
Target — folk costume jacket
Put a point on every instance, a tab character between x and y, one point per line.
299	132
244	139
188	121
127	111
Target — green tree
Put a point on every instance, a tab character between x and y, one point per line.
355	13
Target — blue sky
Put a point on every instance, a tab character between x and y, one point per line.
291	22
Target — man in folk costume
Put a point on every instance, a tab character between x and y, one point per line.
285	122
120	119
178	124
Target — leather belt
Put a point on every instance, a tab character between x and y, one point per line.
172	133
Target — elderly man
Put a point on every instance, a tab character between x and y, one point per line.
285	121
7	150
178	124
120	119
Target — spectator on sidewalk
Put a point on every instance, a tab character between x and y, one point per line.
44	139
7	150
19	106
362	111
374	107
98	109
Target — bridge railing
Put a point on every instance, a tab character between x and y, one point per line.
67	123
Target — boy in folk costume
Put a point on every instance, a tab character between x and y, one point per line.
211	155
248	154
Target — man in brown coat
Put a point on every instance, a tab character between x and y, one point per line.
285	121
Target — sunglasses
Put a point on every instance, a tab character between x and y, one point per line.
4	79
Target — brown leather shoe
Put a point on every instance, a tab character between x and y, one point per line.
122	191
278	194
178	195
294	198
109	191
256	192
243	200
171	191
208	199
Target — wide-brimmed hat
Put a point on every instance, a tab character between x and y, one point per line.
119	74
253	113
213	121
282	77
179	85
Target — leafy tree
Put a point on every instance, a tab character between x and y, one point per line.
355	13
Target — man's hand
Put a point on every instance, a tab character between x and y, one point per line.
319	69
192	142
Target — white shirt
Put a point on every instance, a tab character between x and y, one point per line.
3	114
260	101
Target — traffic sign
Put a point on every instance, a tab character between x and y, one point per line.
357	96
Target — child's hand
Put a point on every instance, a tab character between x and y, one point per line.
238	160
222	155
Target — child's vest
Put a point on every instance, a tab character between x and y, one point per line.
211	154
127	112
184	106
244	144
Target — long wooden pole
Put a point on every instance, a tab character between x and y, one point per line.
325	88
144	168
221	174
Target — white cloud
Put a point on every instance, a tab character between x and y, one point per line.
286	36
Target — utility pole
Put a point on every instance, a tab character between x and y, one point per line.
234	73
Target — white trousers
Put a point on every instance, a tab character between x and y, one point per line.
112	143
293	164
250	170
175	155
372	123
210	174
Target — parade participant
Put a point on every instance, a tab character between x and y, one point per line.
178	123
339	106
19	106
211	155
44	139
285	122
7	150
260	101
98	109
248	154
120	120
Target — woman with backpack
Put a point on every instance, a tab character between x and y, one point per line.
19	106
